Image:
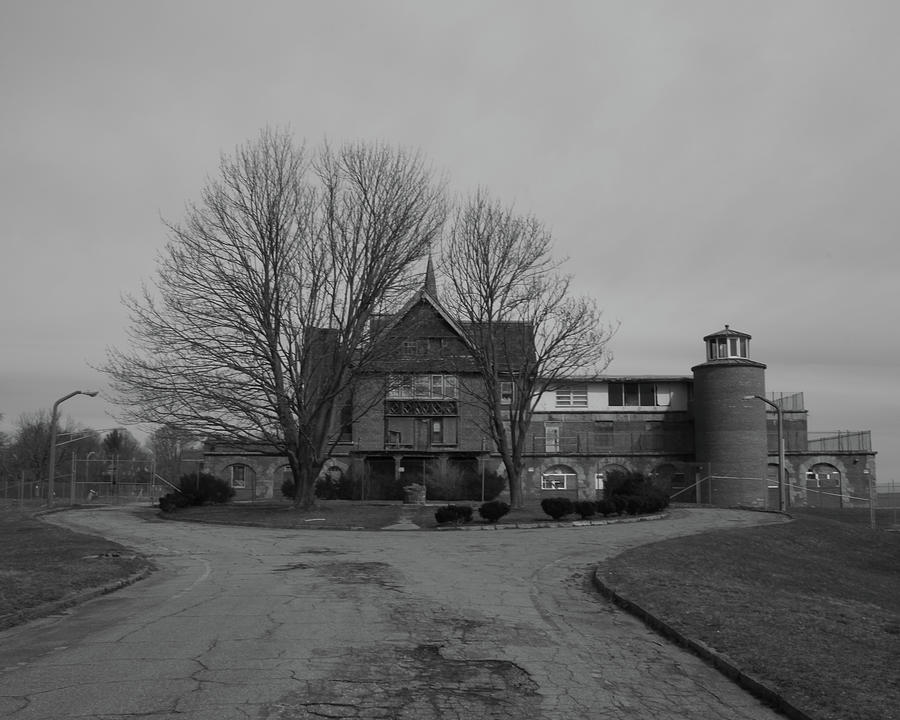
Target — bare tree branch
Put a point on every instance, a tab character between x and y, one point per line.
258	322
523	327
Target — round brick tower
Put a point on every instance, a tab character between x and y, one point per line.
730	441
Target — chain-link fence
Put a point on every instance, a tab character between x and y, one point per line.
95	480
878	509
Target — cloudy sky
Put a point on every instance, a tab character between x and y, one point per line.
700	163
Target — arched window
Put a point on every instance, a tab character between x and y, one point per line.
239	475
822	476
558	477
823	486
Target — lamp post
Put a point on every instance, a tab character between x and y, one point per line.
54	416
778	413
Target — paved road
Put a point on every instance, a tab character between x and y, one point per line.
275	624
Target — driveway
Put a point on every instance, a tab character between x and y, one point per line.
254	623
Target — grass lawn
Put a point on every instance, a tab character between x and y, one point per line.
41	563
341	515
812	607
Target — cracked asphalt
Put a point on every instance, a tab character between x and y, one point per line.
273	624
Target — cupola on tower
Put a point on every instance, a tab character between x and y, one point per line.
729	430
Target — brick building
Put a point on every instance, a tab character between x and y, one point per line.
707	437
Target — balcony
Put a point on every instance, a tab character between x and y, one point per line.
616	443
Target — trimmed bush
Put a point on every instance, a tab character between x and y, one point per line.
174	500
634	494
205	488
494	510
288	489
453	513
586	508
606	507
557	507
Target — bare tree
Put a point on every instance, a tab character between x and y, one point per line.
30	447
525	331
167	445
259	321
121	445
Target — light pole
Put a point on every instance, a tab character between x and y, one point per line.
53	418
778	413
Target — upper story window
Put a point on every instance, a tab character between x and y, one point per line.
572	396
632	394
727	344
427	347
727	347
432	387
506	392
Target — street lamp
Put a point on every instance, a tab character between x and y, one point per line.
53	418
781	483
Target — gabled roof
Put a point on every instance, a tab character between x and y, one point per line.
514	339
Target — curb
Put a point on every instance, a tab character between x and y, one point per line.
715	659
550	524
39	611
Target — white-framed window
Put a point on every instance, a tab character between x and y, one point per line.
572	396
239	477
506	392
720	348
560	477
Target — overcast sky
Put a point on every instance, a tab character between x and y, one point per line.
700	163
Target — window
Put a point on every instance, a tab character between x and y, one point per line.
551	438
506	393
553	482
823	476
720	348
603	433
574	396
437	431
422	386
560	477
632	394
450	390
238	477
408	348
346	420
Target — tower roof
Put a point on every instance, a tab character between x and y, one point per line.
727	332
430	284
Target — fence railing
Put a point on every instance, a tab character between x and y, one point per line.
840	441
612	443
790	402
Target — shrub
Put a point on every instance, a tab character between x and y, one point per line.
334	484
453	513
635	495
205	488
174	500
494	510
557	507
585	508
288	489
606	507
